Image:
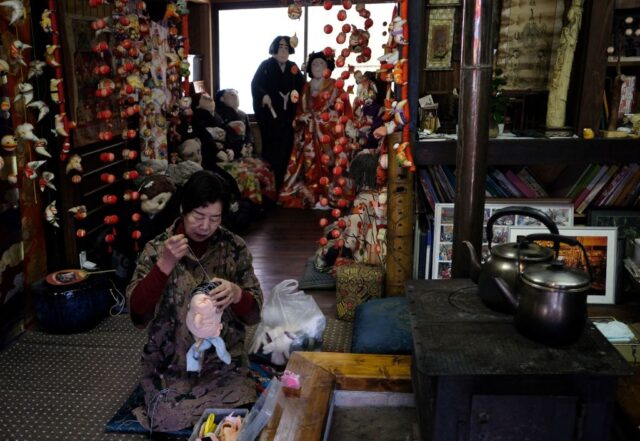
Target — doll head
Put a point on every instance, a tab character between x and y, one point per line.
205	102
281	48
228	97
204	319
317	63
190	150
155	192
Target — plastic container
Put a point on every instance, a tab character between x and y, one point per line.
261	412
220	415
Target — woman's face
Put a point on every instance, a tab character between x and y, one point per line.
318	65
202	222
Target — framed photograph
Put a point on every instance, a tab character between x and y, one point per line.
440	38
601	245
560	212
627	221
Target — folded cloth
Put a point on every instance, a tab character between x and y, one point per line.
194	354
615	331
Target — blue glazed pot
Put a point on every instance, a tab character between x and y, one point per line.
73	308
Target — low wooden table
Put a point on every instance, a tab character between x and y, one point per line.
303	417
476	377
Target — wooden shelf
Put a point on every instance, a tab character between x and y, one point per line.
536	151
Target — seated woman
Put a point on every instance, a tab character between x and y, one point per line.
246	167
194	251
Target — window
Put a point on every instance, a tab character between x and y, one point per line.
245	36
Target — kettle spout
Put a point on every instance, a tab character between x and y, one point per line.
505	289
476	268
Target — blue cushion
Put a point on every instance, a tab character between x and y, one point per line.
382	326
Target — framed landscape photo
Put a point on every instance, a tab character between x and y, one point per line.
560	212
601	245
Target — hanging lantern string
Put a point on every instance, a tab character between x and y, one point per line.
185	35
58	69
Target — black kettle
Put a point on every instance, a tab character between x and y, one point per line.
504	258
550	299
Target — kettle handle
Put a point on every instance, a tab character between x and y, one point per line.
523	211
557	239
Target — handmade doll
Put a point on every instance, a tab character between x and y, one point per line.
159	206
275	88
253	175
204	321
211	130
312	170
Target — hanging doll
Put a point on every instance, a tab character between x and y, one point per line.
254	175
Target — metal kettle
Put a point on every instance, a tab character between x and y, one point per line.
550	300
503	259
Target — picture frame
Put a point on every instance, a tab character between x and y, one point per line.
601	244
442	245
440	38
627	221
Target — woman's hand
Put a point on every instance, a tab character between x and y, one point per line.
173	250
225	293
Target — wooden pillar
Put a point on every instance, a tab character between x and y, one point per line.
399	222
473	131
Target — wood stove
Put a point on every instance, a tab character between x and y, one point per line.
476	378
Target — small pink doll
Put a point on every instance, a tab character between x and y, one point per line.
204	322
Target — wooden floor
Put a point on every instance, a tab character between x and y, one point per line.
281	243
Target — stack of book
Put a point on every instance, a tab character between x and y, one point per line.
607	185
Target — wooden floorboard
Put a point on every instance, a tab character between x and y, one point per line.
281	243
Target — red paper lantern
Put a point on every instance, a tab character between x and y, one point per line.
76	179
323	180
346	28
341	181
325	139
136	234
335	233
107	157
109	199
341	38
346	4
342	15
328	29
131	174
326	73
342	203
328	4
111	219
345	74
342	223
337	170
108	178
336	213
324	222
337	149
345	52
337	191
339	83
135	217
323	241
133	154
328	52
340	61
325	116
368	23
80	233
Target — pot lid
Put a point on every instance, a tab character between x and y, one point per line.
530	252
556	275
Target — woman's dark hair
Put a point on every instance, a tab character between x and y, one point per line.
313	55
273	48
204	187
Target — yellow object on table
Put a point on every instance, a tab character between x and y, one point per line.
209	425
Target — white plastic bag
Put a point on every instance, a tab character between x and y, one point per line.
291	320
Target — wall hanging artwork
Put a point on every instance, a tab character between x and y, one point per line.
440	38
527	43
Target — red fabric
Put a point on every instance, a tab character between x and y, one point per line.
245	305
145	296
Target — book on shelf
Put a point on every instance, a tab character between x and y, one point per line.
582	180
612	186
437	184
597	188
602	169
427	187
623	185
520	184
493	188
627	196
532	182
502	181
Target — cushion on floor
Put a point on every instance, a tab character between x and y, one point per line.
314	279
382	326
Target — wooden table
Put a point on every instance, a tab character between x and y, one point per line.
303	417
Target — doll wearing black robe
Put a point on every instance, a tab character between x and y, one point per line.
277	78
